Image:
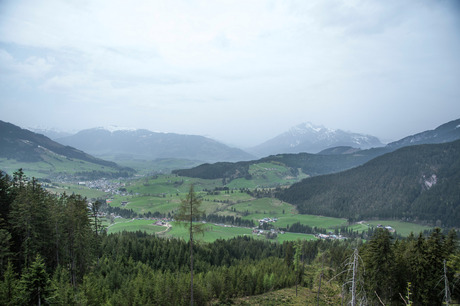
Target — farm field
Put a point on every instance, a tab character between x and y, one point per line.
163	194
72	188
402	228
212	232
135	225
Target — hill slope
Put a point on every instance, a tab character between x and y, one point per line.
412	183
447	132
309	164
24	146
149	145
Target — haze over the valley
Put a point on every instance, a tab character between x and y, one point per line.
240	72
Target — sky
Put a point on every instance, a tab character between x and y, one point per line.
240	72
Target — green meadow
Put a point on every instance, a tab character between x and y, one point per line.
163	194
135	225
211	232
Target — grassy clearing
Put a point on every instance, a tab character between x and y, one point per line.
329	295
402	228
51	164
294	236
135	225
212	232
72	188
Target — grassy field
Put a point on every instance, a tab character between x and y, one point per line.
329	295
135	225
149	167
211	233
266	175
51	164
163	193
72	188
402	228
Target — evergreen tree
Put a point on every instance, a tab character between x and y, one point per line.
9	287
35	283
379	261
189	211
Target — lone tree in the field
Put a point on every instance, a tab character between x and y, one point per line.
189	212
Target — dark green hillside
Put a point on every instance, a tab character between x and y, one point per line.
412	183
311	164
24	145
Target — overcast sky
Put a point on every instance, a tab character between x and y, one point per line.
237	71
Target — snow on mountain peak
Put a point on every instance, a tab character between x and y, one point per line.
114	128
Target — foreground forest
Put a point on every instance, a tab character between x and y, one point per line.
53	250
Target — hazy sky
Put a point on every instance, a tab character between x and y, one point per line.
238	71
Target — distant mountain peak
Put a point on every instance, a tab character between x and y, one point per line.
114	128
312	138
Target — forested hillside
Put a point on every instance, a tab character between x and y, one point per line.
53	250
417	183
311	164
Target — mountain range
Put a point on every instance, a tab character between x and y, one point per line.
328	161
117	144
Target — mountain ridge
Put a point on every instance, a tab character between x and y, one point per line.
145	144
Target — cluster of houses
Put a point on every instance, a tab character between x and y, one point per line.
105	185
330	236
267	220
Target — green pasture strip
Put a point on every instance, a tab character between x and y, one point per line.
402	228
145	167
212	232
234	197
294	236
170	184
242	183
270	206
136	225
358	227
143	204
310	220
81	190
36	169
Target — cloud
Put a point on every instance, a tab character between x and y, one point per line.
32	67
202	66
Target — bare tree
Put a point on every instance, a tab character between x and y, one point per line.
189	214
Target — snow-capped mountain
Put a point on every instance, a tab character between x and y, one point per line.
114	142
310	138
